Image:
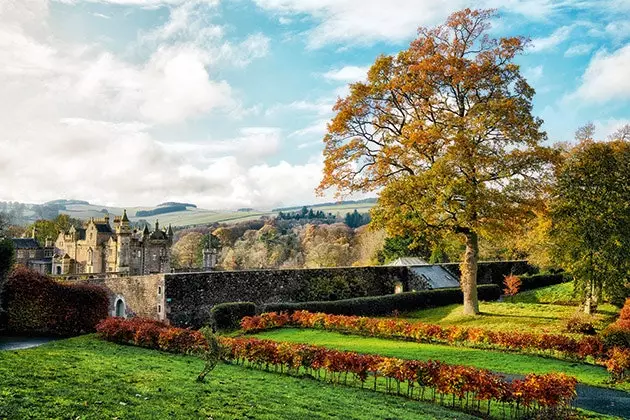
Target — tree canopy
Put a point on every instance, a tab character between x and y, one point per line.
590	219
445	129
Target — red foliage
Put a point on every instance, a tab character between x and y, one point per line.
618	364
151	334
552	391
418	331
37	303
512	285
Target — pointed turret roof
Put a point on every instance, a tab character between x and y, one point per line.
169	232
145	231
124	216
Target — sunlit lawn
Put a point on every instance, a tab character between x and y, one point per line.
497	361
86	378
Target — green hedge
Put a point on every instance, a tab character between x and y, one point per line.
385	305
225	316
536	281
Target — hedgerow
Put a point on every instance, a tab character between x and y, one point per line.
151	334
592	348
461	387
385	305
35	303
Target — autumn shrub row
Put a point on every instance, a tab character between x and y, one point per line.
460	386
35	303
151	334
421	332
385	305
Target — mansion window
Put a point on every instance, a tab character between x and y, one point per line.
31	254
20	253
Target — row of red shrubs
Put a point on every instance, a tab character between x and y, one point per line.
461	383
35	303
536	393
428	333
151	334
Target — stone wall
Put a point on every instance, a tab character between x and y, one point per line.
142	295
190	296
493	272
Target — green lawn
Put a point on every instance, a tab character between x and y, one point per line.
526	317
88	378
493	360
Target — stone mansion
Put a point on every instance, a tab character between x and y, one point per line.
97	248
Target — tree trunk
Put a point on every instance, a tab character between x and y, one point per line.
468	280
590	301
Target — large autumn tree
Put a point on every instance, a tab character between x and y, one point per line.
445	130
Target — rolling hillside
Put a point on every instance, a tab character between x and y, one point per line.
188	217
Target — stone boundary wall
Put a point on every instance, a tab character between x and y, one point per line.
142	296
493	272
190	296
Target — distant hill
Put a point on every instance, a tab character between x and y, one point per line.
332	204
174	203
175	213
65	202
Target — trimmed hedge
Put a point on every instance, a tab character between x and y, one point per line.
536	281
226	316
35	303
385	305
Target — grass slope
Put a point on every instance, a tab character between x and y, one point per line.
91	379
530	317
487	359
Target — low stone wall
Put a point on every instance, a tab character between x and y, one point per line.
190	296
141	295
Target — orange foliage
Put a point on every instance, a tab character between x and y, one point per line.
512	285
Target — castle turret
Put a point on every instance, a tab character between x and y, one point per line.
169	232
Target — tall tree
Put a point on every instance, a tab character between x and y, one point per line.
446	129
590	217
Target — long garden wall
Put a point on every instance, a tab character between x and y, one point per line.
190	296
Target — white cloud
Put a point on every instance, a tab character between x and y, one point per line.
619	30
534	74
579	49
606	77
141	3
347	74
319	107
80	121
318	128
369	21
549	42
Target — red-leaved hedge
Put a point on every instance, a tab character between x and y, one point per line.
151	334
459	386
421	332
35	303
615	358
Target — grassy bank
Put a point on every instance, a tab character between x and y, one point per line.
91	379
518	316
512	363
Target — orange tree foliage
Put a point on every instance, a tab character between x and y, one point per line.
445	129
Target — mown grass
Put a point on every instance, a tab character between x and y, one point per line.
86	378
510	363
506	316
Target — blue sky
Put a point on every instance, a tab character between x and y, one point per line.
224	102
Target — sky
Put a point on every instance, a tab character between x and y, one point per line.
224	103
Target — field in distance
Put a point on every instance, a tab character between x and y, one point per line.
196	216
